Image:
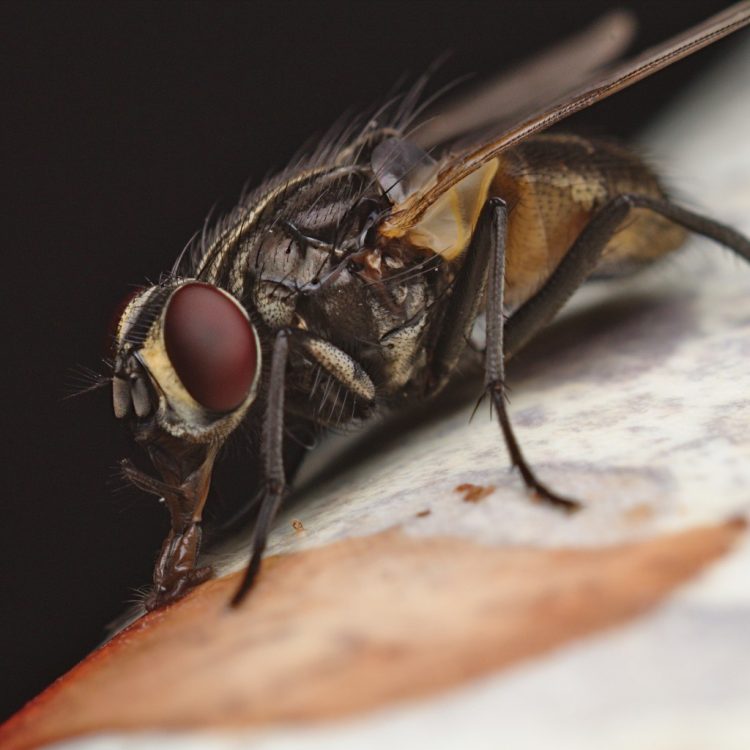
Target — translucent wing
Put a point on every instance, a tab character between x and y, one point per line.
522	90
401	167
409	216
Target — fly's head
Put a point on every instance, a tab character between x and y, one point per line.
186	371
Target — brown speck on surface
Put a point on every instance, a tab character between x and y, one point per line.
424	513
453	610
298	526
473	493
639	513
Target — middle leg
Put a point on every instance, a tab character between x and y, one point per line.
484	271
495	220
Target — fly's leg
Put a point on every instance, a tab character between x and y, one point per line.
342	367
503	340
583	257
466	300
273	463
495	221
484	269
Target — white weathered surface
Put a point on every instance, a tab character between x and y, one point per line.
644	417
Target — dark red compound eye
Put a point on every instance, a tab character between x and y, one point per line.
211	346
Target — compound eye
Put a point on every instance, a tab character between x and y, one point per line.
211	345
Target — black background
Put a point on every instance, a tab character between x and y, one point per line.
123	125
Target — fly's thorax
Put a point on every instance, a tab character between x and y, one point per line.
187	362
274	233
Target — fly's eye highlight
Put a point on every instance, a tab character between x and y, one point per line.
211	345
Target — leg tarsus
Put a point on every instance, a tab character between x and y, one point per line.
271	503
248	580
541	491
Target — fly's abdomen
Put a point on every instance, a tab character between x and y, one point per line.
553	185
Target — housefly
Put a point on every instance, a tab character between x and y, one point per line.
350	282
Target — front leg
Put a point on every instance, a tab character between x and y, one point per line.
273	463
346	371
